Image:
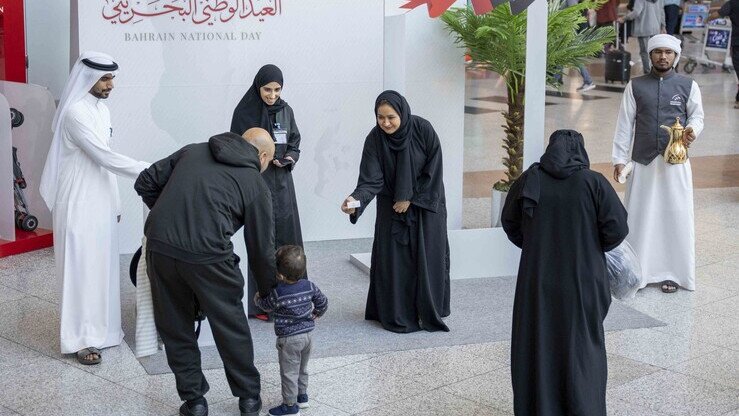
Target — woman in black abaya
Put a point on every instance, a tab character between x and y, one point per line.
402	166
564	217
262	107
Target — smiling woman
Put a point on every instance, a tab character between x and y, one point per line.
263	107
402	166
387	118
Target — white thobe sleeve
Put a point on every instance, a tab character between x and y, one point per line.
624	136
695	110
82	135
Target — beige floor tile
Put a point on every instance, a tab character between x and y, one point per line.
435	403
703	327
491	389
622	370
677	394
655	348
718	367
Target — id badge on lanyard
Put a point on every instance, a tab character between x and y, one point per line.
280	134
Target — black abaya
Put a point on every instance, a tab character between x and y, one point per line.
251	112
409	274
564	217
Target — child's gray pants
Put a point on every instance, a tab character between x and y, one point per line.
294	352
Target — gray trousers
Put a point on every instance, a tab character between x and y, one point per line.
294	352
646	62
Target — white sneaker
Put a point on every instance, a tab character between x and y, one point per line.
586	87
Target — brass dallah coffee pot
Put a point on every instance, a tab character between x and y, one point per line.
676	151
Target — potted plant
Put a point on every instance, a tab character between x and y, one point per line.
496	41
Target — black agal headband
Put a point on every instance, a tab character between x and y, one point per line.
99	66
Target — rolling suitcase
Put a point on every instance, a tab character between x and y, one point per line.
618	62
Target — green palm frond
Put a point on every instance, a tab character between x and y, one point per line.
497	42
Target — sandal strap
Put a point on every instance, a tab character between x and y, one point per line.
88	351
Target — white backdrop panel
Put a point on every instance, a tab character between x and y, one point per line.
172	91
47	43
435	91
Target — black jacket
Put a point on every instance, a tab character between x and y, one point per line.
730	9
200	196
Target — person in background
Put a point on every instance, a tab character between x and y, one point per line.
607	16
730	9
649	20
587	84
672	16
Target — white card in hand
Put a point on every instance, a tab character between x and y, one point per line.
625	172
353	204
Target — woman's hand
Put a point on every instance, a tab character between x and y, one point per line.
401	206
345	208
277	163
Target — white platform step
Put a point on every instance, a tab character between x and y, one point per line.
484	252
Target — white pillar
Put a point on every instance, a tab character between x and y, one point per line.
394	73
536	65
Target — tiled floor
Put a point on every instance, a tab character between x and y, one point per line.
688	367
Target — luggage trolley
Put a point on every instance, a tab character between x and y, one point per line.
715	38
23	218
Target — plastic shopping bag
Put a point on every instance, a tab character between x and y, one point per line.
624	271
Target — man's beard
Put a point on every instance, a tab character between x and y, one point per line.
101	95
662	68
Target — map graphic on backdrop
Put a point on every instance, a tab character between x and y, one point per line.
208	12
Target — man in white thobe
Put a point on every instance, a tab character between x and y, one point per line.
659	196
80	188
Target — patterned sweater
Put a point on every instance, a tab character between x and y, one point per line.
294	307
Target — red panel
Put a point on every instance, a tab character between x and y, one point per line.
25	242
12	41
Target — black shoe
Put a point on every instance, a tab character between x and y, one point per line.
250	407
198	408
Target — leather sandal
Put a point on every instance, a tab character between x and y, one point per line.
85	352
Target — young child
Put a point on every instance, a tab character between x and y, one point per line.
295	303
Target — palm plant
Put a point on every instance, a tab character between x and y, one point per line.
496	41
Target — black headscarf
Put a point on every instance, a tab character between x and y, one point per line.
399	142
564	156
252	111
